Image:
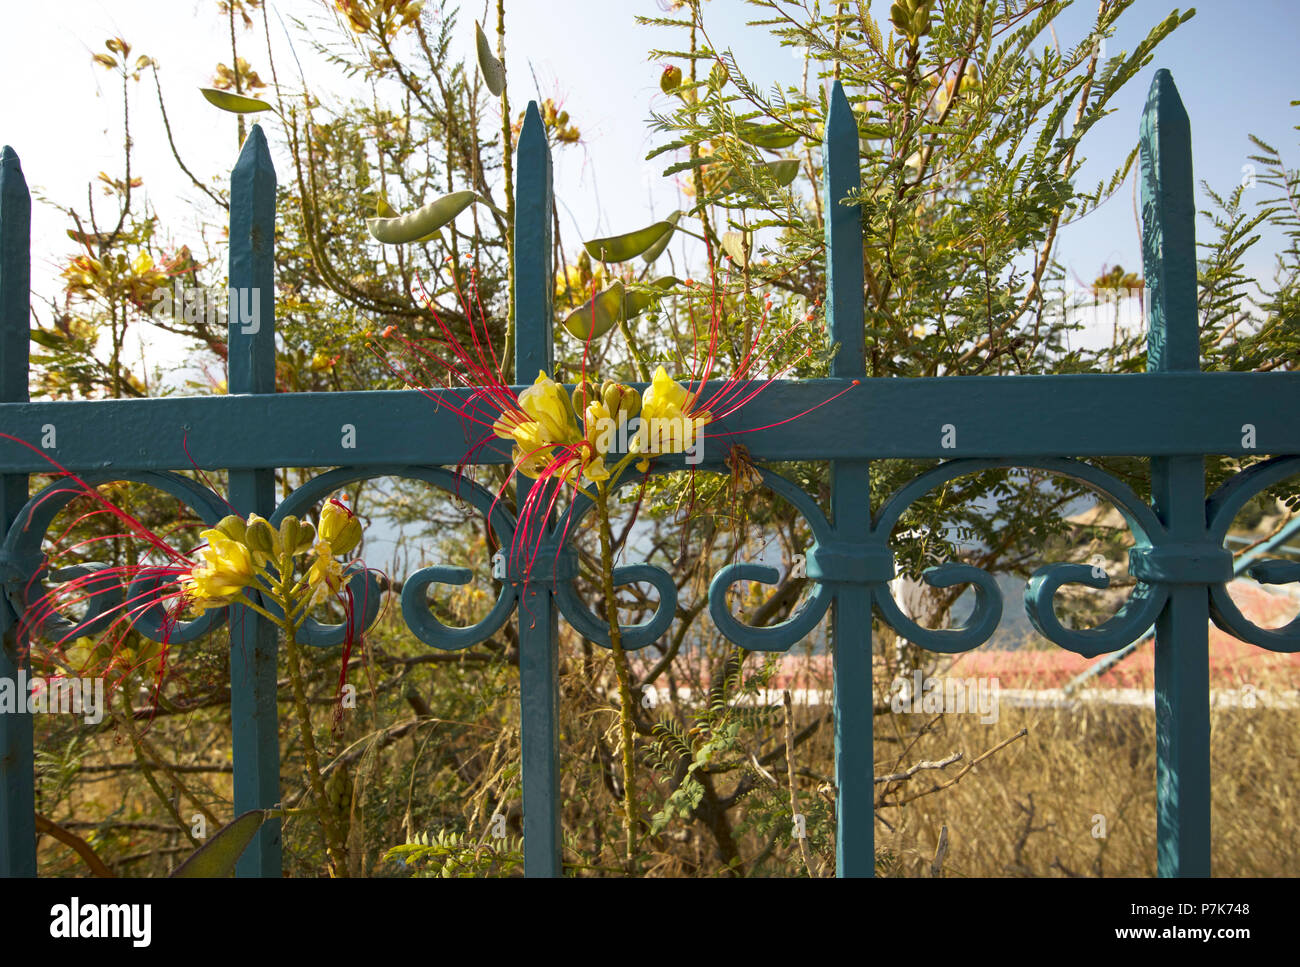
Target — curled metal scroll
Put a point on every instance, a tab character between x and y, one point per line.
1129	624
25	567
1222	507
576	612
781	636
415	606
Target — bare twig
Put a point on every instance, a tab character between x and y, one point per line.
909	772
958	778
940	853
79	845
804	850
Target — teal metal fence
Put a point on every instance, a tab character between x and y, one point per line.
1174	414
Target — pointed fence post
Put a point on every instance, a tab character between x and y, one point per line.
1182	680
539	690
17	775
251	369
850	504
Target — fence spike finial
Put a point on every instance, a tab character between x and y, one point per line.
1169	229
251	330
533	269
843	237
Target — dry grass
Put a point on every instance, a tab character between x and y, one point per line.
1033	809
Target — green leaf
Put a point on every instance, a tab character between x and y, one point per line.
218	856
234	103
736	245
596	316
620	248
423	222
783	172
657	249
494	75
773	137
49	338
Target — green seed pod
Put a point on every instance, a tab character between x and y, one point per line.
338	789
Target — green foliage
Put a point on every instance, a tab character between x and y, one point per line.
447	854
972	126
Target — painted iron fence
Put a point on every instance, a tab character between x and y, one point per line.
1174	414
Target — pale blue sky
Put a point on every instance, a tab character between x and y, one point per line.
1234	64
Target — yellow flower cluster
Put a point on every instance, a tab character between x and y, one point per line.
136	278
392	14
548	419
238	552
668	424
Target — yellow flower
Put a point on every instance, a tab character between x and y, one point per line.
667	425
325	574
507	424
227	569
547	403
339	527
532	451
666	398
600	426
595	470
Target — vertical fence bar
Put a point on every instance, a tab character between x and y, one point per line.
251	369
17	776
539	694
850	504
1182	681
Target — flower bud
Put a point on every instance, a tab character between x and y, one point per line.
623	402
296	536
670	79
583	393
289	533
339	528
261	539
232	526
306	537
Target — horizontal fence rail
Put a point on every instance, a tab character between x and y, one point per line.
992	416
1173	414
